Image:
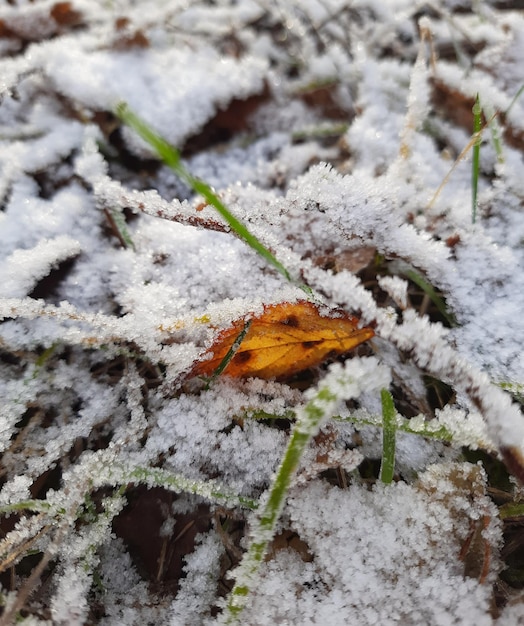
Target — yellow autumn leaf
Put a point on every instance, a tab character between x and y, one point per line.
285	339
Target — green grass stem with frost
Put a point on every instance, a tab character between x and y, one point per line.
210	490
171	157
230	354
263	531
340	383
477	130
515	389
429	290
117	220
404	425
389	429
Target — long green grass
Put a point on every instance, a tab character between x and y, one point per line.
475	162
172	158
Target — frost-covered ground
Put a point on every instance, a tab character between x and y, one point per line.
339	134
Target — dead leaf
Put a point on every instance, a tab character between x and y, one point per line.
287	338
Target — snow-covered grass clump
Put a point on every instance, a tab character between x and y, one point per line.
322	155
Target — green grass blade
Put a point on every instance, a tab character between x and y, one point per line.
156	477
168	153
477	130
206	192
387	467
118	222
429	290
428	429
495	131
230	354
35	506
515	98
171	157
511	509
263	530
515	389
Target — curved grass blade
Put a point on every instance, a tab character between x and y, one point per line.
171	157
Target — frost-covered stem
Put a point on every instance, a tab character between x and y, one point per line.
477	128
171	157
118	224
152	476
79	559
230	354
36	506
387	467
263	531
115	470
441	433
349	381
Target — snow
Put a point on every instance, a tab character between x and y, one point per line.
100	328
359	553
24	268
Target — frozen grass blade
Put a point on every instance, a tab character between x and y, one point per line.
515	98
320	132
305	428
512	509
515	389
230	354
120	474
429	290
426	429
35	506
387	466
477	130
171	157
340	383
476	137
495	131
118	224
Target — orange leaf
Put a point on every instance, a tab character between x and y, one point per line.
286	339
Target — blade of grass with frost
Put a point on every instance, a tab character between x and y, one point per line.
320	132
118	222
429	290
35	506
341	383
494	128
494	125
230	354
42	359
515	389
477	129
427	429
511	509
458	434
156	477
515	98
263	531
387	466
171	157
